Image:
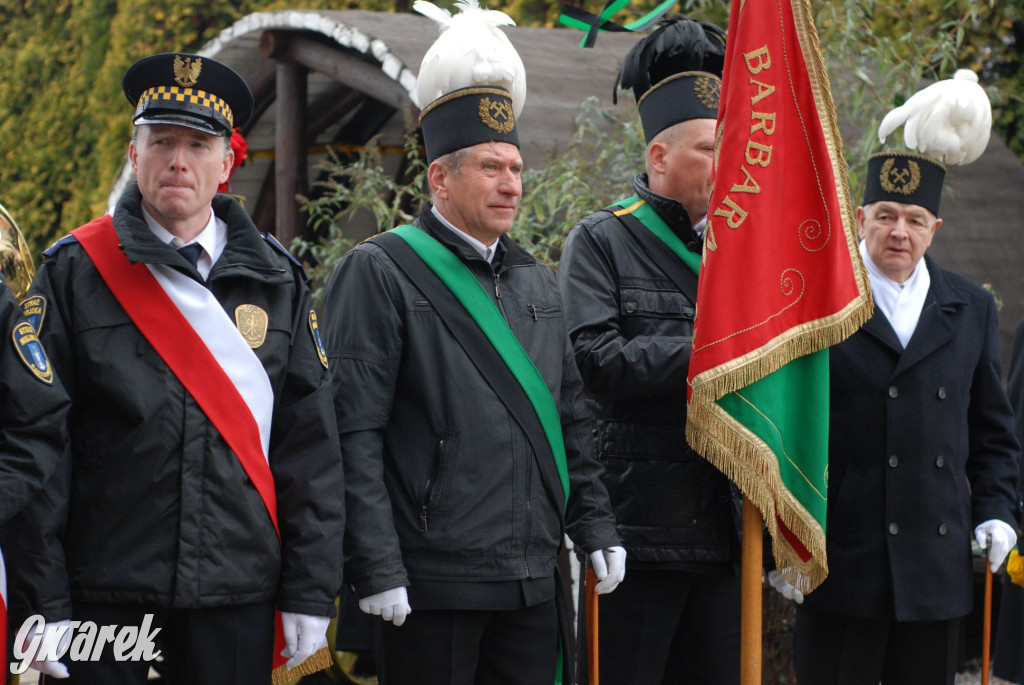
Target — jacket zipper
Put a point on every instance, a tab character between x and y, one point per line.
428	490
497	293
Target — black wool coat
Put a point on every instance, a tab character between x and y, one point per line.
921	451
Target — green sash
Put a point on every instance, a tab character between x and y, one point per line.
646	215
464	286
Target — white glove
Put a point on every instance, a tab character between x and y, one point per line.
1002	537
785	588
391	605
610	567
56	635
303	636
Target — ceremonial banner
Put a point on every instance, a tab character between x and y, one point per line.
780	281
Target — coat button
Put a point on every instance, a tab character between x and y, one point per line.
893	391
943	529
894	461
893	529
940	461
942	393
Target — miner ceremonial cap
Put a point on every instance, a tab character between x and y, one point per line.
472	84
187	90
466	117
675	73
947	122
905	177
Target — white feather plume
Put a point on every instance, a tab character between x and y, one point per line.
949	120
471	51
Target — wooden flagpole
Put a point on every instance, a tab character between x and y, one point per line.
591	583
986	628
750	609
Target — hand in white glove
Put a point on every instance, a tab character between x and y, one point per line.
610	567
391	605
303	636
785	588
55	637
998	537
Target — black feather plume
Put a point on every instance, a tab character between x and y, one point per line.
678	44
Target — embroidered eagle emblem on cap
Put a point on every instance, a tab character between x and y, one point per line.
187	70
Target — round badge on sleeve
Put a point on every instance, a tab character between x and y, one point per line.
26	342
314	329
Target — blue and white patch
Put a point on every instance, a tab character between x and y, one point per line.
314	329
26	342
33	308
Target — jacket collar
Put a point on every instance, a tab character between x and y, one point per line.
245	246
934	328
671	211
507	254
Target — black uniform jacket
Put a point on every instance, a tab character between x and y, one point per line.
33	415
921	450
441	482
151	506
631	328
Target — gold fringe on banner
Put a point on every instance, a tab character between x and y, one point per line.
798	341
748	462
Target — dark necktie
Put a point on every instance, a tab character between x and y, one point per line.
191	252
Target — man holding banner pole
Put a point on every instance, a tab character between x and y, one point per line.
461	412
628	276
202	488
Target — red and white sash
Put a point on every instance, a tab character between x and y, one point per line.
190	331
197	340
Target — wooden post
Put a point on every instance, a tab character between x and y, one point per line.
592	636
750	609
290	158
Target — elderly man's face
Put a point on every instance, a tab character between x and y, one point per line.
178	170
896	236
481	199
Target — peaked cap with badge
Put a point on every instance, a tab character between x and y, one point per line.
472	83
675	73
187	90
948	122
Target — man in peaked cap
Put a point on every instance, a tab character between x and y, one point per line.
629	297
200	490
462	420
922	453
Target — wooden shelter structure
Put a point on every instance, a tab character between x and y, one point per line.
335	79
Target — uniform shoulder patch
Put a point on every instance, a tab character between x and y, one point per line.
318	340
53	249
27	344
33	308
